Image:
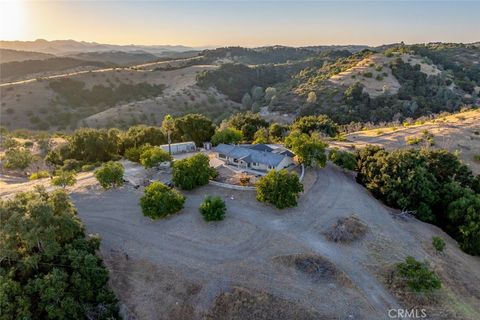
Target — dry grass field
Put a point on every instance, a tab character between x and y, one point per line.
458	133
377	65
34	99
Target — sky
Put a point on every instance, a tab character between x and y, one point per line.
245	23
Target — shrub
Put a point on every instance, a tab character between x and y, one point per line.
192	172
367	74
17	158
160	201
438	243
477	157
310	124
343	159
213	208
110	175
309	150
280	188
417	276
9	142
39	175
244	180
413	140
64	179
133	153
153	156
227	135
72	165
88	167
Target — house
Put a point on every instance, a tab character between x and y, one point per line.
259	157
181	147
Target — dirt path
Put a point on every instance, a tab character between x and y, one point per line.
76	73
239	250
243	249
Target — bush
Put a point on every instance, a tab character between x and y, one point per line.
192	172
213	208
17	158
153	156
72	165
438	243
9	142
367	74
39	175
110	175
310	124
309	150
344	159
413	140
160	201
227	136
64	179
88	167
280	188
417	276
133	153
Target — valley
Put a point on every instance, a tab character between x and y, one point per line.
232	183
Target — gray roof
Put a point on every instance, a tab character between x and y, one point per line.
260	147
249	155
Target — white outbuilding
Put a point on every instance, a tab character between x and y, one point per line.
181	147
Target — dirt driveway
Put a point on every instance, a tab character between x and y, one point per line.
240	250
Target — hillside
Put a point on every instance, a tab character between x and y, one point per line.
61	47
18	70
90	95
377	84
458	133
7	55
117	57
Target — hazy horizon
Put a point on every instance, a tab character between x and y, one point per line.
244	23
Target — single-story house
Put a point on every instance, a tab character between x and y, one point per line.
181	147
259	157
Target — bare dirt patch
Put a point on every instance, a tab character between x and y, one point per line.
149	291
346	230
315	267
241	304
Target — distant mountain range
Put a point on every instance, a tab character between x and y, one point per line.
69	47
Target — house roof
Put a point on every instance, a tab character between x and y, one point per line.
188	143
250	155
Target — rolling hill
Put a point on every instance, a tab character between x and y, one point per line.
7	55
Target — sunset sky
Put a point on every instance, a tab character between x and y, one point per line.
245	23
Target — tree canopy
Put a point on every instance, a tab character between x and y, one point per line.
160	201
248	123
309	150
193	127
48	267
17	158
228	136
310	124
192	172
432	183
153	156
280	188
110	174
